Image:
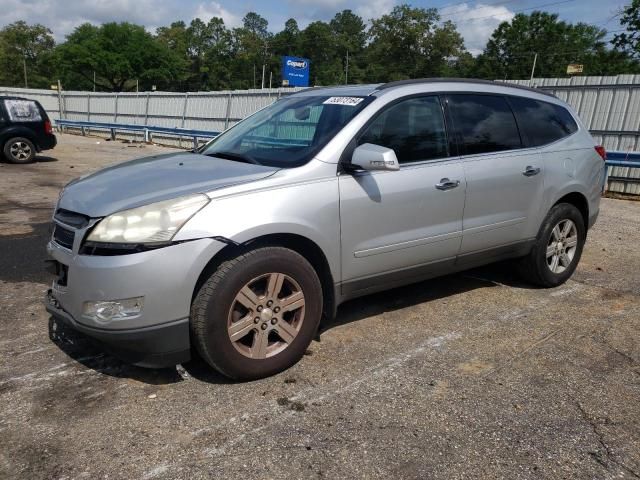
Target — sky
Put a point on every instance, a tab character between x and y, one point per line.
475	19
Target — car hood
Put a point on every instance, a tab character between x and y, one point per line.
153	179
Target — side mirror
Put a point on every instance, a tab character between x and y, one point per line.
374	157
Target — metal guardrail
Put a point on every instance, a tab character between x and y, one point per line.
146	130
623	172
623	159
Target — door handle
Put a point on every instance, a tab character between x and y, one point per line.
446	184
531	171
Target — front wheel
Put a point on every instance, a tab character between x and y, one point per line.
257	313
558	247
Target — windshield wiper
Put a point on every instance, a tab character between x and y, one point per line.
236	157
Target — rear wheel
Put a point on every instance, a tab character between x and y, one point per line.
19	150
558	247
257	313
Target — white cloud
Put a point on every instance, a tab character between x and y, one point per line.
306	11
374	8
207	10
151	13
476	22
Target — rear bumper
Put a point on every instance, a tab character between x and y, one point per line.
156	346
47	142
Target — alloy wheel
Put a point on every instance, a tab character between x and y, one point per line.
266	315
20	151
562	246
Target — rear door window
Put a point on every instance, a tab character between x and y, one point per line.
542	122
22	110
485	123
414	129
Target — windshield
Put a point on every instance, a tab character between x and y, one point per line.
288	133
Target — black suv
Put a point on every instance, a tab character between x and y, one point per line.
25	129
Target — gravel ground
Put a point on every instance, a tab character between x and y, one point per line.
474	375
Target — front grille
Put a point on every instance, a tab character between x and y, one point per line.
63	236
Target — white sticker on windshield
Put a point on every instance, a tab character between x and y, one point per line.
348	101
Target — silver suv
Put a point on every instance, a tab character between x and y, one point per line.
238	251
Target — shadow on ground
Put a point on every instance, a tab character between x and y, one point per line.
23	255
502	273
37	159
92	355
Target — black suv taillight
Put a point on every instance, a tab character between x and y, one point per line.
47	127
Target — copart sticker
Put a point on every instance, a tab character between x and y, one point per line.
348	101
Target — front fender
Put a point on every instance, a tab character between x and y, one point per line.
308	209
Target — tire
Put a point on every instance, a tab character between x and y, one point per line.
19	150
552	245
262	344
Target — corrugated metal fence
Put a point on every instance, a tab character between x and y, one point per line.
201	110
609	106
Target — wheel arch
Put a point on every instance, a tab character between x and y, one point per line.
18	132
579	201
299	244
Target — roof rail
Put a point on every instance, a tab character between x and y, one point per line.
416	81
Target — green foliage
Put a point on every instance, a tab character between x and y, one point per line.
405	43
410	43
629	41
510	50
29	46
120	54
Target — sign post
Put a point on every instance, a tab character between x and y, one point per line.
295	72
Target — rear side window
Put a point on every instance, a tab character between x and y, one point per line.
542	122
22	110
485	123
413	128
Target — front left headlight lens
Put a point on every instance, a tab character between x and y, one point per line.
154	223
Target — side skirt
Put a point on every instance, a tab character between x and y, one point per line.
397	278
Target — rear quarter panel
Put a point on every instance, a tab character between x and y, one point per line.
572	165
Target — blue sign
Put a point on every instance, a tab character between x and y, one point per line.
295	71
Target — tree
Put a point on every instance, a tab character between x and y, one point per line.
119	54
287	41
350	38
318	44
510	50
29	47
410	43
629	41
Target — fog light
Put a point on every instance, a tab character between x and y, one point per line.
108	311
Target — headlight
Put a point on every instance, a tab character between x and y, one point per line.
158	222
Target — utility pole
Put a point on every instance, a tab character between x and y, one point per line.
346	74
264	61
254	75
24	65
270	79
137	84
94	80
533	68
61	109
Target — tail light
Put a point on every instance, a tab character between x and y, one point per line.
601	151
47	127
